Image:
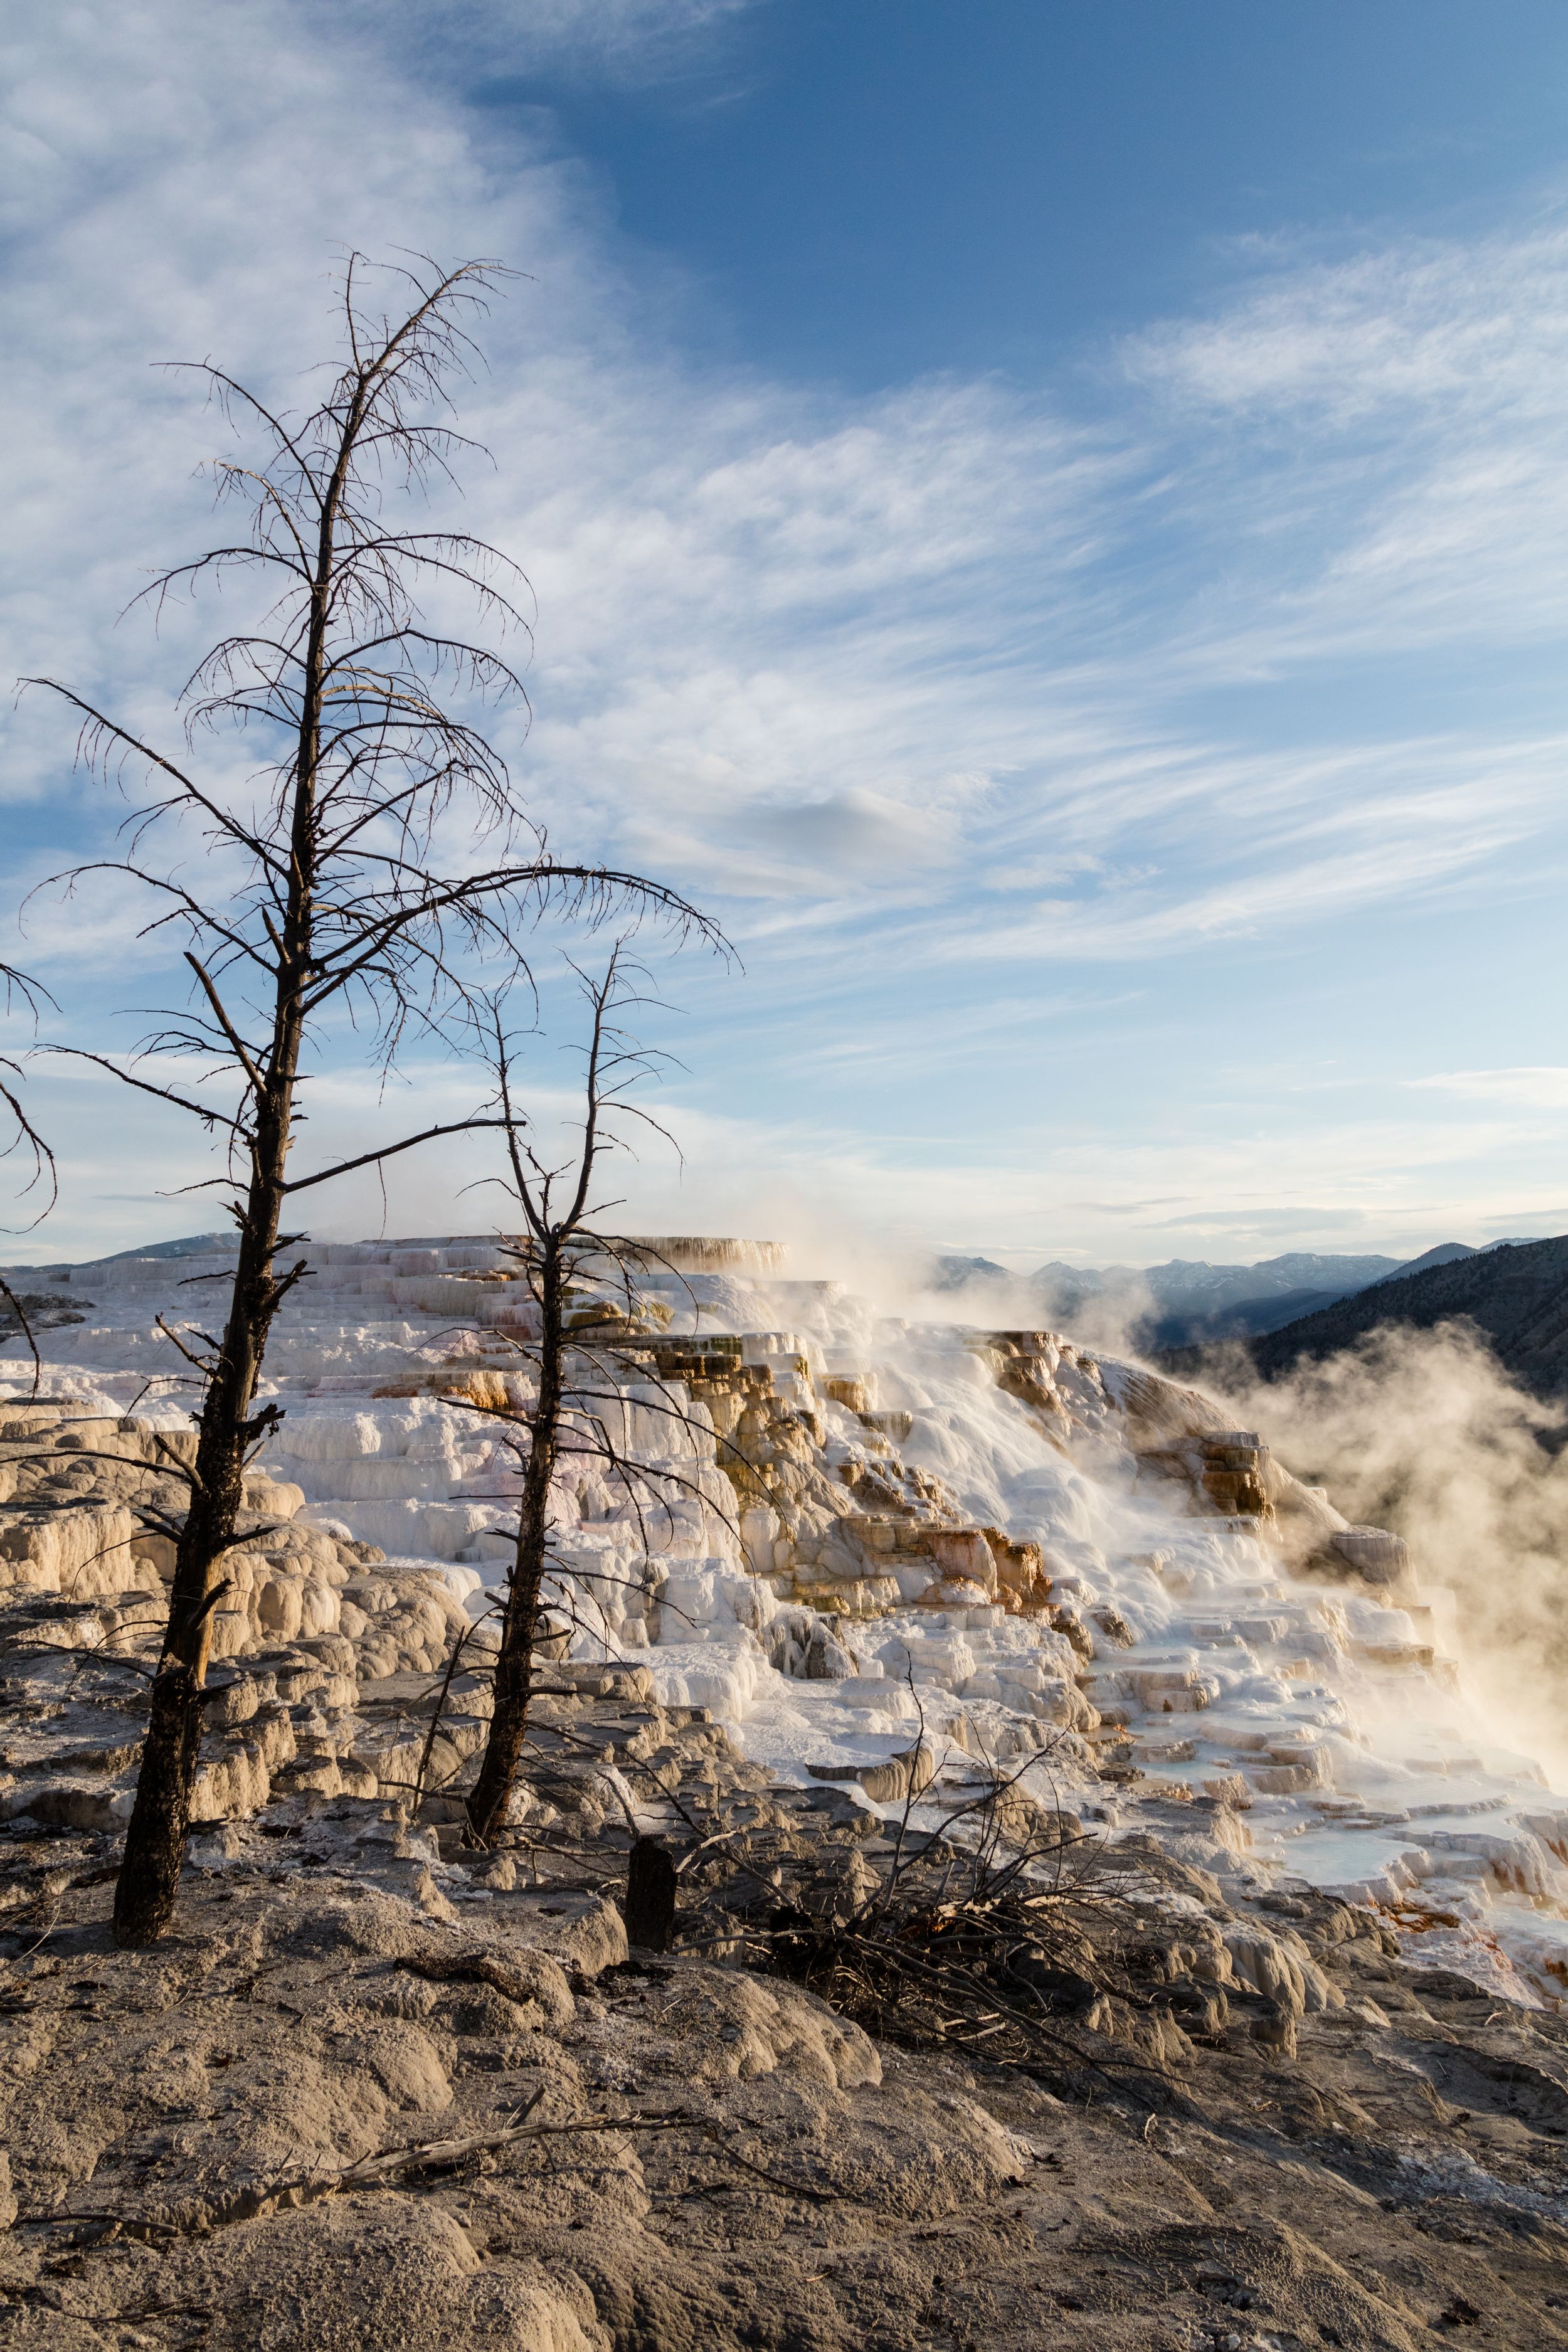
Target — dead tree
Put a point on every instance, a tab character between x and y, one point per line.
325	900
562	1239
25	1141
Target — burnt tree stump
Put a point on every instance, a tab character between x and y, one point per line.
650	1896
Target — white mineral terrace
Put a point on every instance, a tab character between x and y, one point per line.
1216	1658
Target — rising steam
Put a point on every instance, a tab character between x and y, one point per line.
1425	1432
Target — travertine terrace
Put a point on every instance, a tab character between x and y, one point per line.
892	1551
378	2089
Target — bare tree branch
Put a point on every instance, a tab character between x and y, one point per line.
389	1150
20	1312
319	888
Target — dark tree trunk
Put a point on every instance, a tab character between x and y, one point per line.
519	1626
650	1896
159	1829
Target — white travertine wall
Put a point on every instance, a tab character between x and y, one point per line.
852	1535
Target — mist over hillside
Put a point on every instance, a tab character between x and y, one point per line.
1515	1294
1187	1302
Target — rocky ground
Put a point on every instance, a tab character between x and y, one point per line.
974	2069
378	2091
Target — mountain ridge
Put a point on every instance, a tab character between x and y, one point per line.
1516	1295
1188	1302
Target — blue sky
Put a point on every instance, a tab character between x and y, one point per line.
871	191
1048	518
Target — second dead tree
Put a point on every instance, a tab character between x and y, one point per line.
562	1239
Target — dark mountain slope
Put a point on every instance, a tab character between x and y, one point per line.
1243	1319
1445	1254
1517	1296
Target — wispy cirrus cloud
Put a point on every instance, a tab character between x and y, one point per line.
593	40
1543	1089
926	689
1408	331
785	637
1397	419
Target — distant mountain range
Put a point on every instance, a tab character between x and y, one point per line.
1516	1293
1187	1302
